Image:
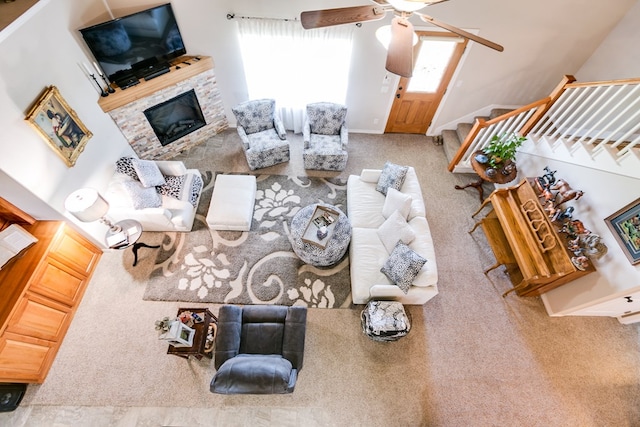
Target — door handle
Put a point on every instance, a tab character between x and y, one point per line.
398	95
629	299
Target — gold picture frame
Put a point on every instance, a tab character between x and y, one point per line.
59	125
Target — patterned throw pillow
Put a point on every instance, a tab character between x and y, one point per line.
392	176
124	165
148	172
142	197
255	116
402	266
172	186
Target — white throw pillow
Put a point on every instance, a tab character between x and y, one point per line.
395	229
141	197
396	201
148	173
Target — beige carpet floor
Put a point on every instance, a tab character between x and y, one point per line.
471	359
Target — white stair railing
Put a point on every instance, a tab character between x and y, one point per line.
601	117
483	130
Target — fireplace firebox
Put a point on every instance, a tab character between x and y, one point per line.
176	117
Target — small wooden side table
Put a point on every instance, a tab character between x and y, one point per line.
197	350
480	169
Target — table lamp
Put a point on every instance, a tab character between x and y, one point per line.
88	205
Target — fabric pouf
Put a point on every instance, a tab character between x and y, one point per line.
385	320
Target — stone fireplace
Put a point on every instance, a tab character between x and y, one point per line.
188	100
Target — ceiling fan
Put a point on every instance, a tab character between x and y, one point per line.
400	50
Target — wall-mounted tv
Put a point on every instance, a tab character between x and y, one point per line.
132	45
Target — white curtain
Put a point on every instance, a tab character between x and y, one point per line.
295	66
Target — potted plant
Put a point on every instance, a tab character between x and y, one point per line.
502	148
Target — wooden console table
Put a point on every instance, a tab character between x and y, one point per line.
522	236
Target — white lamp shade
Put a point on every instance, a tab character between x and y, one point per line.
86	204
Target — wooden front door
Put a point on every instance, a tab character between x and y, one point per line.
436	56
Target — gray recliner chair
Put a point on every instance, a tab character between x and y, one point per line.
259	349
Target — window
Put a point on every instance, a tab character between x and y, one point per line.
295	66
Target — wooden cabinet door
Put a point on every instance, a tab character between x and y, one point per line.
73	250
25	359
39	317
59	282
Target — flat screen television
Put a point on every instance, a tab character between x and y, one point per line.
134	44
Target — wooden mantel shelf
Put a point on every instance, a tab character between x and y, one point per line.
147	87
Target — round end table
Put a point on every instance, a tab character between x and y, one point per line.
335	247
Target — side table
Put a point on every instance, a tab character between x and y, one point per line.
480	169
132	230
198	349
336	246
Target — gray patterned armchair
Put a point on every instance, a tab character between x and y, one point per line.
325	137
263	136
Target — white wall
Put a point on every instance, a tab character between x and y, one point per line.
618	57
43	52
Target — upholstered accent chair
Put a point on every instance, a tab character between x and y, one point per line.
325	137
259	349
263	136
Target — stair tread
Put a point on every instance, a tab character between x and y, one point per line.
498	112
450	143
463	130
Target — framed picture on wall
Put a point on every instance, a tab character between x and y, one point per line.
625	226
59	125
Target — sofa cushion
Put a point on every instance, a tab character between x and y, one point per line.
396	201
395	229
402	266
392	176
254	374
142	197
256	115
148	173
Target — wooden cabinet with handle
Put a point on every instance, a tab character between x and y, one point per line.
41	290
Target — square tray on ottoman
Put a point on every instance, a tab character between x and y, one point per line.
385	320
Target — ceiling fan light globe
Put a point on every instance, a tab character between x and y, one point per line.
407	6
383	34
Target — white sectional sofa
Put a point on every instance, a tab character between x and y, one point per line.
368	254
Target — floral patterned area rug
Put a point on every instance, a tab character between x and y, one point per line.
254	267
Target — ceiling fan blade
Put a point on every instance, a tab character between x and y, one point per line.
460	32
344	15
400	54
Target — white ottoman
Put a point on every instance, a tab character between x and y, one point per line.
232	201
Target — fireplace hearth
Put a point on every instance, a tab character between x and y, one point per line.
176	117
